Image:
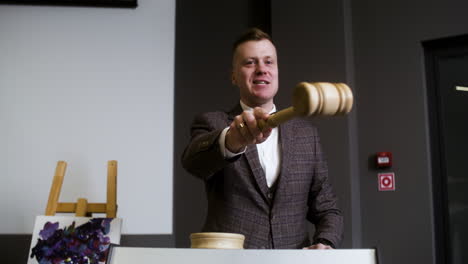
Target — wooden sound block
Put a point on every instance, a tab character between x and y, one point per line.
217	240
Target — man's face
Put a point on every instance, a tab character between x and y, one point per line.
255	72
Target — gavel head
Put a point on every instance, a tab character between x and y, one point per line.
322	98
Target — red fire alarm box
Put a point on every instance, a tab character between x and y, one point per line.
384	159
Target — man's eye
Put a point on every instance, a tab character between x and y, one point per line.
249	62
269	62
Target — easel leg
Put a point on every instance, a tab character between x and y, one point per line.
111	206
56	187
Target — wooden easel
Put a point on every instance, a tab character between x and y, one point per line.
82	207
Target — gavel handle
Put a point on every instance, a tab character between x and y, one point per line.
277	118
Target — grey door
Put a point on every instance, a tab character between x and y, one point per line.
447	79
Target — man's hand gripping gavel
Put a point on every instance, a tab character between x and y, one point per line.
309	99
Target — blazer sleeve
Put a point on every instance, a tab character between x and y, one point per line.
323	204
202	157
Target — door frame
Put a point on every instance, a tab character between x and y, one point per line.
435	50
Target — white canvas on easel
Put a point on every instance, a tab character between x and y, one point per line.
58	238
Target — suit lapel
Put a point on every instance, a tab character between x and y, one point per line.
252	158
237	110
251	155
286	134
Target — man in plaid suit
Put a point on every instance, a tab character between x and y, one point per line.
264	184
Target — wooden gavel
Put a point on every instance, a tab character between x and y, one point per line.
314	99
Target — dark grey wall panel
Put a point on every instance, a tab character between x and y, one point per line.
15	248
205	31
310	36
301	58
203	51
393	117
162	241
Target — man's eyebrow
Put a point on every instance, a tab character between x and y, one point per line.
255	58
249	58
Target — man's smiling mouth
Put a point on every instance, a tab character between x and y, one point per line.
261	82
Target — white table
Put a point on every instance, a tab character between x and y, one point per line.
128	255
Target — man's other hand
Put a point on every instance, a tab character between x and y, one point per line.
319	246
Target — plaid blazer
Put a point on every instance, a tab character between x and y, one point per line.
239	200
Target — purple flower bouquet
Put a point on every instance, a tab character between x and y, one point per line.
84	244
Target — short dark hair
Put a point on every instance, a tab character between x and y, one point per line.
254	34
